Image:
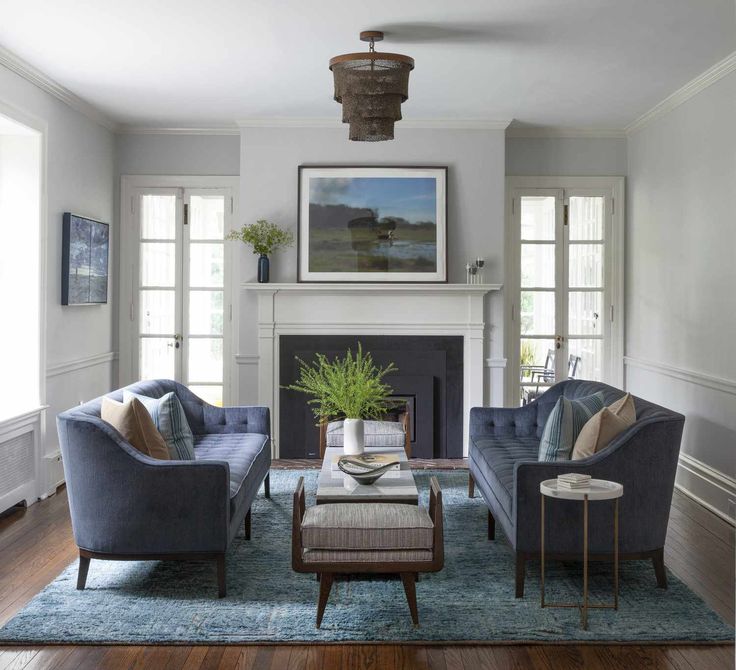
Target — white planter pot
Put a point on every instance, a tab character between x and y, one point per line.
353	437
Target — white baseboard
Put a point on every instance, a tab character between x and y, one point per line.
707	486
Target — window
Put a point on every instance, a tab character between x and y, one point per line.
20	270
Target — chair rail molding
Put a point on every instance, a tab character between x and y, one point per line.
366	309
80	363
700	378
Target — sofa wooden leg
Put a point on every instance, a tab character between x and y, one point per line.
267	485
491	526
471	486
325	584
247	525
659	570
520	573
221	579
408	579
83	570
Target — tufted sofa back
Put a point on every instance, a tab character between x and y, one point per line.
203	418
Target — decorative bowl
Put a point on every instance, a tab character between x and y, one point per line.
362	472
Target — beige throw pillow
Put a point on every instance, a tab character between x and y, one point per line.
602	427
134	423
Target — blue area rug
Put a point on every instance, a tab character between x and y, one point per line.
471	599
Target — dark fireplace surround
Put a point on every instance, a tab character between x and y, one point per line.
429	377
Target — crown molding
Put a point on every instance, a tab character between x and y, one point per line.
563	131
693	87
45	83
459	124
193	130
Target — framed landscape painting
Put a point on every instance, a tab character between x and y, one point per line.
372	224
85	251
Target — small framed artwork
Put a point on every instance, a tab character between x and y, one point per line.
85	251
372	224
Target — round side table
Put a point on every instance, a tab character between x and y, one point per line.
597	489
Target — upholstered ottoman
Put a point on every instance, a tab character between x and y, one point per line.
355	538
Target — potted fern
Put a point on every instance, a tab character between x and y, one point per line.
351	388
264	238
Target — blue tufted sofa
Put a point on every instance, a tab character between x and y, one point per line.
503	464
127	506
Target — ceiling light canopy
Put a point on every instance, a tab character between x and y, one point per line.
371	86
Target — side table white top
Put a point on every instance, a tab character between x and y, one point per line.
597	489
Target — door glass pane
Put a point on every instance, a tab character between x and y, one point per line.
158	263
586	265
210	394
537	361
158	217
205	360
205	313
157	358
206	264
586	218
157	312
206	217
584	313
537	313
589	355
538	265
537	217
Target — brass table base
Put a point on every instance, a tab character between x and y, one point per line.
585	605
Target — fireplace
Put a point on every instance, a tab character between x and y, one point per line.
429	377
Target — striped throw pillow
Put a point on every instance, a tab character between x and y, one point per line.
564	424
171	421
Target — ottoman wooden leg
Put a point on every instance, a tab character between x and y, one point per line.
247	525
491	526
267	486
325	584
471	486
409	579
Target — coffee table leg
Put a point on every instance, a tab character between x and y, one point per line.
585	563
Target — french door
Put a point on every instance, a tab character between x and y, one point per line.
565	278
180	310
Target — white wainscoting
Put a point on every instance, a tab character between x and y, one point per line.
708	453
70	383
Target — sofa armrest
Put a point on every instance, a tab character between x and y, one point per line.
503	421
643	458
123	502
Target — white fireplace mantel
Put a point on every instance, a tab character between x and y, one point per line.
370	309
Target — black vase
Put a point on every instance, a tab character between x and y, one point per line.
263	269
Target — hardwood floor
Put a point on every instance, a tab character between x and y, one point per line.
36	545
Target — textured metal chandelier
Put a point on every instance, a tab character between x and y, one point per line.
371	86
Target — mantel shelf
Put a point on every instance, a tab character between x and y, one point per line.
425	289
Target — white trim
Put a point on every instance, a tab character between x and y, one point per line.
495	363
711	488
327	288
13	423
247	359
193	130
335	122
80	364
45	83
709	381
684	93
562	131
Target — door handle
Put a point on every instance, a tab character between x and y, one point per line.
558	341
178	339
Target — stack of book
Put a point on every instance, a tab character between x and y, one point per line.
573	480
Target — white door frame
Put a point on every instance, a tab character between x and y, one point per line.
614	280
129	185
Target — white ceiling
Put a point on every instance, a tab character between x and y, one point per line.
575	63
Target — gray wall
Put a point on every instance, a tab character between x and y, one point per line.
268	172
178	154
80	178
566	156
680	278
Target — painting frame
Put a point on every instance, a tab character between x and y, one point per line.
83	239
438	173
